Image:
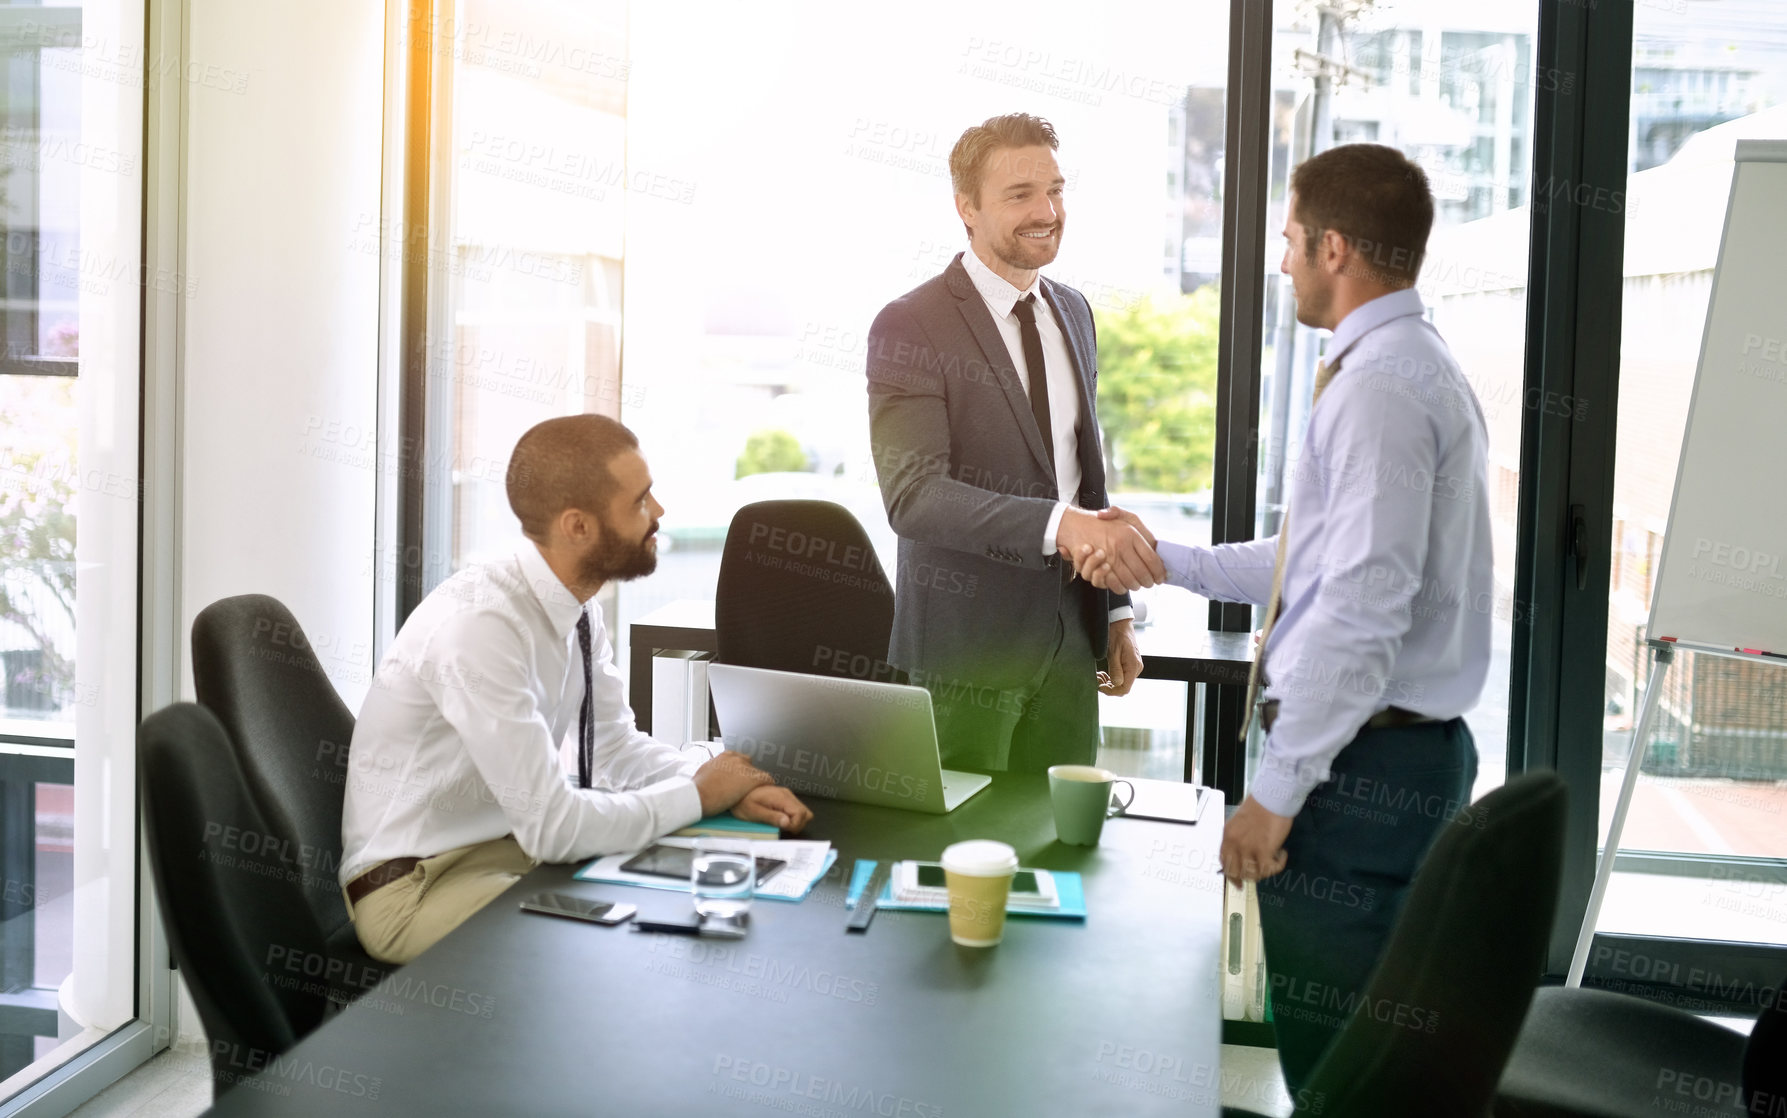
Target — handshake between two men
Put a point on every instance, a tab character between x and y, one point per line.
1111	548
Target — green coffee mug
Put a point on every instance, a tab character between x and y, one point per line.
1081	795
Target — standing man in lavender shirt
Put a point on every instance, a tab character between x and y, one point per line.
1378	593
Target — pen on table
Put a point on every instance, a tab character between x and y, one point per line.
867	903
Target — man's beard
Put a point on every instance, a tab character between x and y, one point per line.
1029	255
615	559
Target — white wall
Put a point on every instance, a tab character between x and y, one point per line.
280	343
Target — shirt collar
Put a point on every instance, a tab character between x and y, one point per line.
1367	317
998	291
561	606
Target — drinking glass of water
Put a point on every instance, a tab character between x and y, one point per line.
722	878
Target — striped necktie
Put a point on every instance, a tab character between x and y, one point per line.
1323	374
586	730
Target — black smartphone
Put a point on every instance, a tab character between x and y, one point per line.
695	925
660	860
930	876
578	908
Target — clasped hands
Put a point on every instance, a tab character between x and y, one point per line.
1112	549
730	782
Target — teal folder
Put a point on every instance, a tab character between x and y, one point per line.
1069	889
729	826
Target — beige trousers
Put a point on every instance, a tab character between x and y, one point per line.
403	918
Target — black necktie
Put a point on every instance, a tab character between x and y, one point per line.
1025	309
586	730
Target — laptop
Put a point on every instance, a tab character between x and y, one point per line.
838	738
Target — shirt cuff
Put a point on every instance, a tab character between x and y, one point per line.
1052	528
1122	613
1179	560
1282	784
674	801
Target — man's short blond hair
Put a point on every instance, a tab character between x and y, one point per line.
973	153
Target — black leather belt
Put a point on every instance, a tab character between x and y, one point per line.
1387	719
382	874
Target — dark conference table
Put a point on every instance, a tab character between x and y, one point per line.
1119	1014
1188	654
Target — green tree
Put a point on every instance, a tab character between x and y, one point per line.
1157	392
37	534
772	451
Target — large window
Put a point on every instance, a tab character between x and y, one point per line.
522	242
811	146
71	104
1706	836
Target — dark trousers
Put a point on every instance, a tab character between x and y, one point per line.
1027	725
1351	854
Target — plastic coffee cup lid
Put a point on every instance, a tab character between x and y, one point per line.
980	858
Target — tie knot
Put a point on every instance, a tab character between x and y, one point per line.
583	625
1025	309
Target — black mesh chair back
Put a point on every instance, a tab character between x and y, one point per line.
800	590
237	922
253	667
1441	1013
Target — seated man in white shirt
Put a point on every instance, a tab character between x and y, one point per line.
455	787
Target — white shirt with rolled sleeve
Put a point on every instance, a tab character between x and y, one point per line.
458	741
1000	296
1388	589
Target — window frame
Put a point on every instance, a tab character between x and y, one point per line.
158	636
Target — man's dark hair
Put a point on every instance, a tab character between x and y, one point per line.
968	160
1375	197
563	463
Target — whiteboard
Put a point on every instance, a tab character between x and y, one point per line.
1722	576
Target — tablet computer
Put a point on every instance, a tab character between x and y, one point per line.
662	860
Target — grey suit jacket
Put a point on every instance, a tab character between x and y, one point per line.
965	476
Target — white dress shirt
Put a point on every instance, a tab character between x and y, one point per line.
1387	586
1062	381
458	740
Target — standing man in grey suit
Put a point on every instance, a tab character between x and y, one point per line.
982	383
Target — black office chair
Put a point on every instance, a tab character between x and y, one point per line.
1765	1057
800	590
1466	956
1598	1054
253	667
241	933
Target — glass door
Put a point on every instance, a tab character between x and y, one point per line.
1702	856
